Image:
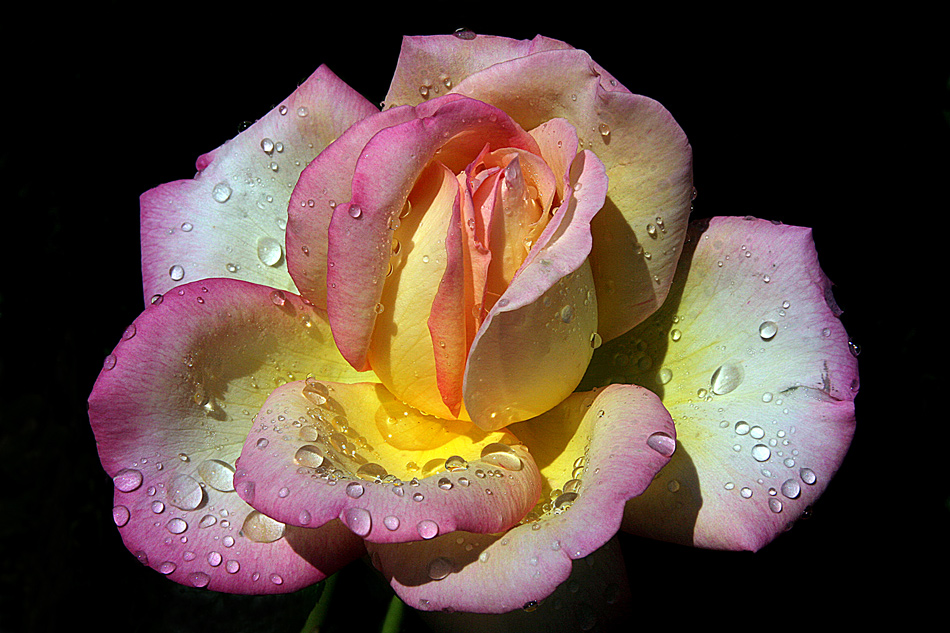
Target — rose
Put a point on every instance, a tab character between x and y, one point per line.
739	333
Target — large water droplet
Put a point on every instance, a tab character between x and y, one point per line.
260	528
217	474
221	192
662	443
726	378
358	520
439	568
791	489
184	493
761	453
176	526
120	515
427	529
455	463
269	251
127	480
768	330
309	456
502	455
354	490
176	272
664	376
567	313
391	522
808	476
371	472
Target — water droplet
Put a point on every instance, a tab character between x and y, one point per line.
358	520
260	528
221	192
184	493
354	490
464	34
791	489
120	515
309	456
746	492
768	330
808	476
302	111
269	251
217	474
267	145
355	211
167	567
757	432
854	348
199	579
391	522
371	472
176	272
567	313
278	298
501	455
726	378
565	500
651	231
427	529
662	443
775	505
445	483
596	340
664	376
676	335
761	453
109	362
455	463
439	568
127	480
176	526
604	130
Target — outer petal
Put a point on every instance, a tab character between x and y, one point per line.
170	411
754	365
431	65
639	234
619	439
546	319
229	220
321	451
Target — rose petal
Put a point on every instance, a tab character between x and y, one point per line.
547	317
451	130
754	365
320	451
229	220
648	161
430	66
612	435
170	411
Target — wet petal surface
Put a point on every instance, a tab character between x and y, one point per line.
753	363
596	450
320	451
229	220
170	411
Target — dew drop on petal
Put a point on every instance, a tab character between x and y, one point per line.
120	515
662	443
176	526
439	568
184	493
391	522
260	528
768	330
309	456
354	490
176	272
427	529
501	455
127	480
808	476
761	453
217	474
455	463
199	579
791	489
221	192
726	378
358	520
269	251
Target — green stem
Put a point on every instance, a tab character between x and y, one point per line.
320	610
393	620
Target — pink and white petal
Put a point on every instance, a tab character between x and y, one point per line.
170	411
621	437
323	184
648	161
753	363
228	221
322	451
429	66
596	594
452	131
546	318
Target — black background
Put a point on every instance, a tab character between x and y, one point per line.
834	122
